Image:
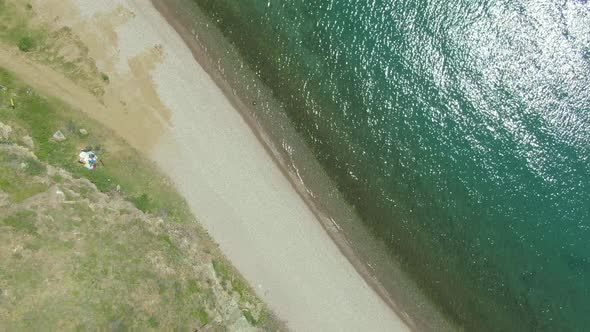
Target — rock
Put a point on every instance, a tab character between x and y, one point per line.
59	136
4	201
59	195
83	132
28	141
5	131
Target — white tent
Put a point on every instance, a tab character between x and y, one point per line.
88	159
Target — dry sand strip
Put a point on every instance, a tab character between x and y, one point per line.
230	181
251	209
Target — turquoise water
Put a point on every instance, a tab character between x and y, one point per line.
458	130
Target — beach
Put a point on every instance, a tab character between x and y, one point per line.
164	103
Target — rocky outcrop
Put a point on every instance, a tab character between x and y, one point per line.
58	136
28	142
5	132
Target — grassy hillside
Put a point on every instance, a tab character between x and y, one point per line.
114	248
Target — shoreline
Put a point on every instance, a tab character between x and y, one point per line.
329	226
234	187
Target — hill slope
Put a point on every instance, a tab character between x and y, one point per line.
113	248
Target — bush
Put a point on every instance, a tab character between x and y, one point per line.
26	44
142	202
22	221
248	315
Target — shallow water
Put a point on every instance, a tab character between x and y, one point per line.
458	130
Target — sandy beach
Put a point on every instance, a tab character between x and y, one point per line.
165	104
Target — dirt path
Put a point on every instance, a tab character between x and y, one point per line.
48	80
140	128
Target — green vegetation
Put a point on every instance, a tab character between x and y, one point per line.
58	48
227	275
248	315
193	286
16	27
142	202
20	185
105	77
203	316
98	266
138	179
26	44
91	260
34	167
22	221
94	261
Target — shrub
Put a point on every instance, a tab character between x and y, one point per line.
26	44
142	202
22	221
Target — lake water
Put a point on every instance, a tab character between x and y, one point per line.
458	131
